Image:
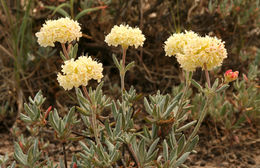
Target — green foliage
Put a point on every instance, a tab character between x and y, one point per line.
116	134
97	99
233	111
30	158
99	156
33	109
4	159
62	126
86	5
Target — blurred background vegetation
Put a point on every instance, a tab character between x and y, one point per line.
26	68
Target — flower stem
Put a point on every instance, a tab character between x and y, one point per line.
64	154
207	75
65	52
86	94
122	73
93	119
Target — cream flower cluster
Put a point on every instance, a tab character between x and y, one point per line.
193	51
62	30
125	36
78	72
175	44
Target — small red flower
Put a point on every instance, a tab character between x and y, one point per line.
75	165
230	76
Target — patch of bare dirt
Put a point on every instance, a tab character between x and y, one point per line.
240	150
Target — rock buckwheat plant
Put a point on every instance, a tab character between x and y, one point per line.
115	140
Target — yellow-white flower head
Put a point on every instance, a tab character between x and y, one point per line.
176	42
125	36
193	51
62	30
208	51
78	72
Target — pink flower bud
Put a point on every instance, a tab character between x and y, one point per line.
230	76
75	165
47	112
21	145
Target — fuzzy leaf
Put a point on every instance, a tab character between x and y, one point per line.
222	88
129	66
196	84
147	106
63	56
181	143
152	147
165	151
186	126
169	110
215	84
19	155
182	159
177	97
193	143
25	118
116	62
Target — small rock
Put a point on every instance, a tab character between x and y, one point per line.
203	163
224	164
251	161
232	156
207	157
216	151
239	155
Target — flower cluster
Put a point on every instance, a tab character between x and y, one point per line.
78	72
62	30
230	76
193	51
125	36
175	44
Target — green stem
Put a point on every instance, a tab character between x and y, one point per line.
122	72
